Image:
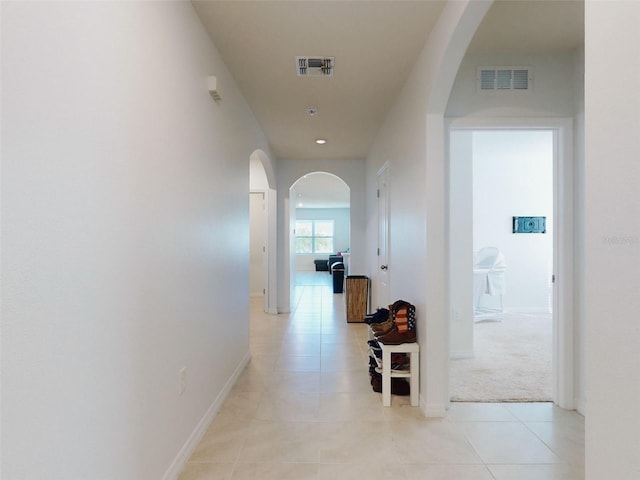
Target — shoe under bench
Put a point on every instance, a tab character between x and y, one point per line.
413	374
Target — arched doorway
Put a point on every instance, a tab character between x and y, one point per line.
320	212
262	219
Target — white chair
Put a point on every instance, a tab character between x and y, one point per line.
489	268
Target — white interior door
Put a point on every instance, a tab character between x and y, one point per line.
383	237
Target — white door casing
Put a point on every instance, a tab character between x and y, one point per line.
383	274
271	279
563	376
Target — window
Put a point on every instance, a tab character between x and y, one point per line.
314	236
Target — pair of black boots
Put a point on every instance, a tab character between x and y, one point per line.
399	386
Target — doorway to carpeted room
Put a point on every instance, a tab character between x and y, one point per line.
512	361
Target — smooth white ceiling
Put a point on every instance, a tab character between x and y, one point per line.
375	44
531	26
321	190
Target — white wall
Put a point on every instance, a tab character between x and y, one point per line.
257	243
257	175
513	176
579	234
461	242
341	218
352	172
612	239
551	95
124	200
412	141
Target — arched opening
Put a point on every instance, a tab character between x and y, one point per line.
320	226
262	220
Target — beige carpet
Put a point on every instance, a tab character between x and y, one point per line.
512	362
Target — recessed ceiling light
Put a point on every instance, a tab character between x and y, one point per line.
321	141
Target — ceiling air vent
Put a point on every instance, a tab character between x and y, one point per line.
504	79
315	66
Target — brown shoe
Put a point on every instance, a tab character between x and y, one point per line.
382	327
386	326
394	337
382	333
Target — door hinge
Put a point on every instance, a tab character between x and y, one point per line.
553	279
378	252
264	292
378	193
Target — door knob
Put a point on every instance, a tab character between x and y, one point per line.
383	267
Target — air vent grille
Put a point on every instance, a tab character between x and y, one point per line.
315	66
501	79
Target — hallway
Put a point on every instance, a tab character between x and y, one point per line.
304	409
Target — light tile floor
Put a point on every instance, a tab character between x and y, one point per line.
304	409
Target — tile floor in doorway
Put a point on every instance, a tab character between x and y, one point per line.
304	409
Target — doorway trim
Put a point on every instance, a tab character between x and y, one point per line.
563	365
383	283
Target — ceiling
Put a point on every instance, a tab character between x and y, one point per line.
321	190
375	44
535	26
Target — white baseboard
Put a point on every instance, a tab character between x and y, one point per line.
581	406
435	411
190	445
432	410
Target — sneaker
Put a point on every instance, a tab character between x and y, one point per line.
381	315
